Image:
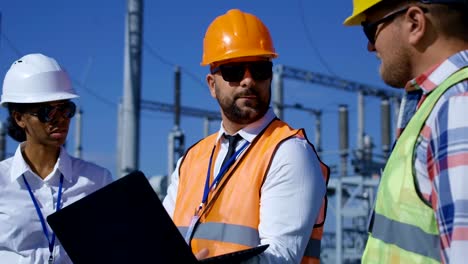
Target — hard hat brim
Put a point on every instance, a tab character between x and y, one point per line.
241	54
358	16
33	99
354	20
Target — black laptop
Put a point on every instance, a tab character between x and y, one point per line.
125	222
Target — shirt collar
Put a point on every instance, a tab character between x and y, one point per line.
250	131
435	75
64	164
19	166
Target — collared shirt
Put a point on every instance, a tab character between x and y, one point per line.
22	239
441	154
291	195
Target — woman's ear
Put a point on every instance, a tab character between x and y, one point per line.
18	118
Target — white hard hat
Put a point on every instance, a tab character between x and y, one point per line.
36	78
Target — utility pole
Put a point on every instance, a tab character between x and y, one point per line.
176	136
344	145
2	141
78	129
2	125
318	133
344	149
360	128
385	126
277	97
206	126
130	118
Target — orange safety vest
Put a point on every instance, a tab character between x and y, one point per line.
226	224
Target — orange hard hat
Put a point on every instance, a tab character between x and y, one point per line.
236	34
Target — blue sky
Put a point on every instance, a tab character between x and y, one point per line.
87	37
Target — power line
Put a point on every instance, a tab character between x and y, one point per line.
78	83
311	41
94	94
10	44
169	63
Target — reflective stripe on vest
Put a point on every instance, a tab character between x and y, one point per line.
407	237
242	235
237	234
404	228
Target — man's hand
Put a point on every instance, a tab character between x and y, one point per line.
202	254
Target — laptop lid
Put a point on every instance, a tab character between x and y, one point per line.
125	222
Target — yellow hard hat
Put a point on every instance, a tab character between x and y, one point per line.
359	7
236	34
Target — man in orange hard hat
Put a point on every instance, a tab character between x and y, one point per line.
270	188
421	211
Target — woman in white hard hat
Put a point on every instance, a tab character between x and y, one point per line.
41	177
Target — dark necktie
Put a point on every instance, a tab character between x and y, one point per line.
232	146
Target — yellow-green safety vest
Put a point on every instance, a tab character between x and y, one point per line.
403	227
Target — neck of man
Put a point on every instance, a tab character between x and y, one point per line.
436	53
230	127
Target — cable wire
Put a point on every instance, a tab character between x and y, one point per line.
311	41
10	44
169	63
78	83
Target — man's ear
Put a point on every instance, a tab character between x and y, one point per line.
417	24
210	80
18	118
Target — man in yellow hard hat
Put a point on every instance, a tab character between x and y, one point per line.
270	188
421	211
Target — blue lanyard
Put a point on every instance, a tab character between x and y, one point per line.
221	172
41	217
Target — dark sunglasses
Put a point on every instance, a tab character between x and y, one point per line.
234	72
46	113
370	29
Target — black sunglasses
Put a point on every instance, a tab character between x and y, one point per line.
370	29
46	113
234	72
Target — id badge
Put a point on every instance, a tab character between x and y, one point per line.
191	228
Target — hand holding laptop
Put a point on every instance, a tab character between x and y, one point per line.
202	254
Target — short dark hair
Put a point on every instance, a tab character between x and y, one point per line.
451	19
13	129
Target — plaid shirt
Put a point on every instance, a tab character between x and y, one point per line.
441	154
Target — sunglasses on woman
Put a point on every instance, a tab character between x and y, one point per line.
46	113
235	72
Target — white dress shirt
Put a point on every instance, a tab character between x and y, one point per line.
291	195
22	239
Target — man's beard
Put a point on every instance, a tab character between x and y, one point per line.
254	112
